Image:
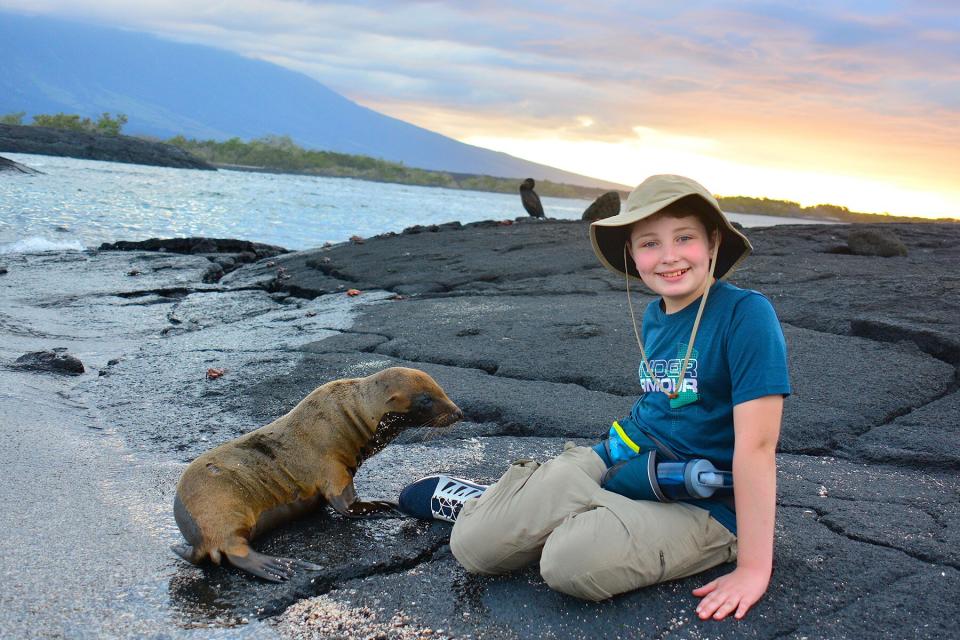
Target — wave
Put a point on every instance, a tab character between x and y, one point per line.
37	244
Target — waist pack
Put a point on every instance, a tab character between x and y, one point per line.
643	477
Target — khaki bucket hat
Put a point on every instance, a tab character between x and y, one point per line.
608	236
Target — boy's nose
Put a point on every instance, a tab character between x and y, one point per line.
669	255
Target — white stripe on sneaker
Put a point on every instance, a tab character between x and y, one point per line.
449	496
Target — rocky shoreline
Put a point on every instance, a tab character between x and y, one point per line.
8	165
79	144
530	336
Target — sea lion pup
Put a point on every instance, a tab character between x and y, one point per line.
307	458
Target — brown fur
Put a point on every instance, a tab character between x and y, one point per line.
300	461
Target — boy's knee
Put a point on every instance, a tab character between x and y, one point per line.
582	562
570	571
473	548
483	547
573	563
593	577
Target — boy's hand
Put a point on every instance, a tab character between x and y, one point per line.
735	592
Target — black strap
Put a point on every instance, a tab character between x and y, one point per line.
662	449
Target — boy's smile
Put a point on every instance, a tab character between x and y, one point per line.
671	276
672	256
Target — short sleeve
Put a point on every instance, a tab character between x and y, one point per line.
756	351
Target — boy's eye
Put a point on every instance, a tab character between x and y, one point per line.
684	238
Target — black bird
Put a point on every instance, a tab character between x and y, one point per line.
530	200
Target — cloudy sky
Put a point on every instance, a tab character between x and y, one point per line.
854	103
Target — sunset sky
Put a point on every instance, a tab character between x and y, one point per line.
851	103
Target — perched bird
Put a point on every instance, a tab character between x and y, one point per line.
530	200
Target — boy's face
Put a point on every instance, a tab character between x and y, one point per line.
672	256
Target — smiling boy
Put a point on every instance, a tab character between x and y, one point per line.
713	374
672	256
672	244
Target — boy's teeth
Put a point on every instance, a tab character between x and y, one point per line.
673	273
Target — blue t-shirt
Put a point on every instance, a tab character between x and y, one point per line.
739	355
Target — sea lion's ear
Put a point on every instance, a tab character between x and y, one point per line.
398	402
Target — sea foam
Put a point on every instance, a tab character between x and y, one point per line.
37	244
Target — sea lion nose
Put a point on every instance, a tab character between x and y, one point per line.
456	413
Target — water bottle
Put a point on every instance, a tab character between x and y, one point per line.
691	479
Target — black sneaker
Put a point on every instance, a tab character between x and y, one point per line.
438	497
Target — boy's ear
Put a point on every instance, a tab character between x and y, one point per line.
714	238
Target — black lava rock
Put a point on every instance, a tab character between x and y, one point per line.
241	250
875	242
225	254
91	146
57	361
8	165
606	206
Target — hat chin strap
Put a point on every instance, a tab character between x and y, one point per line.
661	385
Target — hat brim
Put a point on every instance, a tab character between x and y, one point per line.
610	235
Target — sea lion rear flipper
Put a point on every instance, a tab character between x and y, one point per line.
185	551
268	567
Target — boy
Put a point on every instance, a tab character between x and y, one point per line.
713	385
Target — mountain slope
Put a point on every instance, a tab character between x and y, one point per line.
168	88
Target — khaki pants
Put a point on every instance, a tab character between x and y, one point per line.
591	543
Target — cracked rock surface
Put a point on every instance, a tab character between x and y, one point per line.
532	339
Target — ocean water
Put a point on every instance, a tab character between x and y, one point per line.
77	204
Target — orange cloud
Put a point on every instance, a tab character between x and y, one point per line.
853	90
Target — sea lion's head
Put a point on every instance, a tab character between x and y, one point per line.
416	396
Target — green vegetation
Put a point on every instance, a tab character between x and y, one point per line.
280	153
106	124
13	118
789	209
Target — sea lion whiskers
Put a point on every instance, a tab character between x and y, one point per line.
437	432
432	423
429	430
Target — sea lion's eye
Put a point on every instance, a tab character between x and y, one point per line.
422	402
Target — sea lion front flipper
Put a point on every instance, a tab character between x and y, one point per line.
346	504
269	567
375	509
